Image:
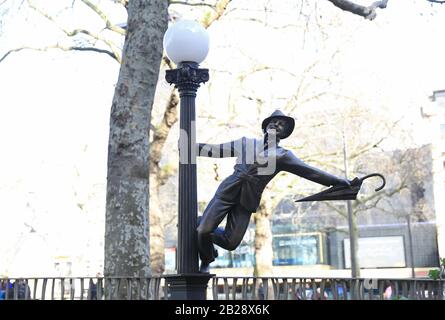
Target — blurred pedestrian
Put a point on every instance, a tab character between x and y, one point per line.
387	295
4	284
93	287
20	290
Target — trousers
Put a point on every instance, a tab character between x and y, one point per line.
208	232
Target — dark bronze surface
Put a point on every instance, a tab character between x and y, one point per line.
239	195
344	192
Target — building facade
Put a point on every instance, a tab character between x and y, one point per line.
433	112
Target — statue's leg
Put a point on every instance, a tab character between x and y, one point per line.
213	215
237	222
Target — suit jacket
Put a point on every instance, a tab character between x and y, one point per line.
255	167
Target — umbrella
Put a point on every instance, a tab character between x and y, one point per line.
344	192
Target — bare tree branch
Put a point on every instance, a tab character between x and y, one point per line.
336	209
368	12
388	194
220	9
376	144
186	3
64	48
292	103
122	2
311	98
104	17
113	48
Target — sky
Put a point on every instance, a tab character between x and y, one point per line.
54	121
54	106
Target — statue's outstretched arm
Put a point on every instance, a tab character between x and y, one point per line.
223	150
296	166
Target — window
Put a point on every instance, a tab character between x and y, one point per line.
241	257
298	249
439	97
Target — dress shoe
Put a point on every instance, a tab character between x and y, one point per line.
205	267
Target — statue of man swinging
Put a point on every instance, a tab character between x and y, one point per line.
239	195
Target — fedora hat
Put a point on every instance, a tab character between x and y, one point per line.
277	114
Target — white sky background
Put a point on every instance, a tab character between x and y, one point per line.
54	110
54	119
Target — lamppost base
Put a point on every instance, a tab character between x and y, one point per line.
192	286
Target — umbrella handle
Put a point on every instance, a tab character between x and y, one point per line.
376	175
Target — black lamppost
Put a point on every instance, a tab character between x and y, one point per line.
187	44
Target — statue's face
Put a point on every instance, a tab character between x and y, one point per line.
278	125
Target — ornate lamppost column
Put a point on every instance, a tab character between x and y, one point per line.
187	44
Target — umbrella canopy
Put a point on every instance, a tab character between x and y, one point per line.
343	192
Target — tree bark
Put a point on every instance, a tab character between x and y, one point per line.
263	240
355	262
157	179
126	238
156	227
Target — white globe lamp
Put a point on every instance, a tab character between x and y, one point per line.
187	44
186	41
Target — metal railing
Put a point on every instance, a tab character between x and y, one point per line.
277	288
83	288
223	288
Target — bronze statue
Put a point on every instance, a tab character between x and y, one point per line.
239	195
344	192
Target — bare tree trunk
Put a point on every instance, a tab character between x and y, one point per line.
157	255
263	240
157	179
355	263
126	239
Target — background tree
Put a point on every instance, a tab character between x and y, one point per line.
372	142
109	42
